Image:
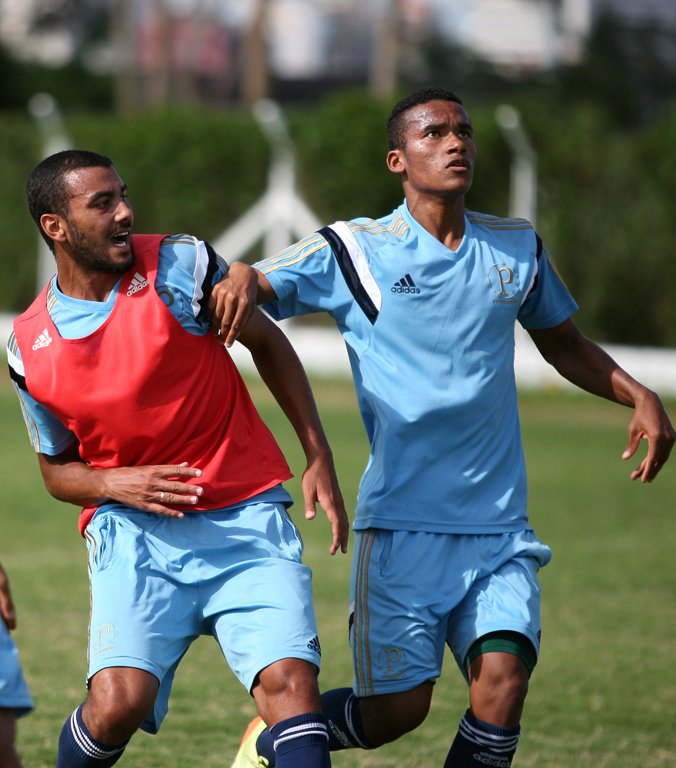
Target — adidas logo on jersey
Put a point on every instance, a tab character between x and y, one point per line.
43	340
405	285
138	283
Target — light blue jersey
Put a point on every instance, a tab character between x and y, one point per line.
187	268
430	337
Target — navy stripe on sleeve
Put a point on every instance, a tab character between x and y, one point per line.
342	256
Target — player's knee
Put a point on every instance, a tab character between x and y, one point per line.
114	721
498	685
510	686
288	677
115	710
289	686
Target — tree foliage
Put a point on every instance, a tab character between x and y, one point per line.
605	193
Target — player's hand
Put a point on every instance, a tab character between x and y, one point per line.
650	422
320	486
7	611
154	488
232	301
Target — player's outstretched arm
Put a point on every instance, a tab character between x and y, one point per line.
7	611
283	373
151	488
589	367
234	298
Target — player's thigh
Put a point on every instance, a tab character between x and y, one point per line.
505	595
263	611
143	603
142	608
400	599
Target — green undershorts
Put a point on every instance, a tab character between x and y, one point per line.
504	642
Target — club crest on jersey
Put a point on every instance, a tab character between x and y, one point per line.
138	283
505	283
43	340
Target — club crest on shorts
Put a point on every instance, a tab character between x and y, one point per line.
103	638
392	661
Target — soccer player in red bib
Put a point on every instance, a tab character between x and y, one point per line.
139	416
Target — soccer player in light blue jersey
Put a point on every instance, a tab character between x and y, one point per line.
15	698
426	299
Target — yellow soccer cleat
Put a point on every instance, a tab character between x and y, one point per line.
248	757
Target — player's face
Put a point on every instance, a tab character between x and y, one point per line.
439	153
99	220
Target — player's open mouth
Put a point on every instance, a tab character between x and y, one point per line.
120	240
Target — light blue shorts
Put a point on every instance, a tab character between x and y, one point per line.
157	583
412	593
14	693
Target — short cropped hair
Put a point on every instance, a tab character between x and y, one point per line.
45	188
395	122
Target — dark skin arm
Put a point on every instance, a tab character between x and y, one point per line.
150	488
281	370
589	367
283	373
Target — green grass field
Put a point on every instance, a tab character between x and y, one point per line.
604	692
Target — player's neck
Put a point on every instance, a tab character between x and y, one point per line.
442	218
84	284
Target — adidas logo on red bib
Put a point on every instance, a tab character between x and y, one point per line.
43	340
138	283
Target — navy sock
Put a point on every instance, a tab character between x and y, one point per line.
78	749
346	731
481	744
301	741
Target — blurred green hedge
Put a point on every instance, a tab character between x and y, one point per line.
607	197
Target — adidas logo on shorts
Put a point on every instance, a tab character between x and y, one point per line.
405	285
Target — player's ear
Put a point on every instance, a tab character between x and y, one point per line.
395	161
53	226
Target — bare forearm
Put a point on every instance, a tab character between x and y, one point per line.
73	481
589	367
283	373
153	488
285	378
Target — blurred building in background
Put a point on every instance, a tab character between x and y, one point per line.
226	51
